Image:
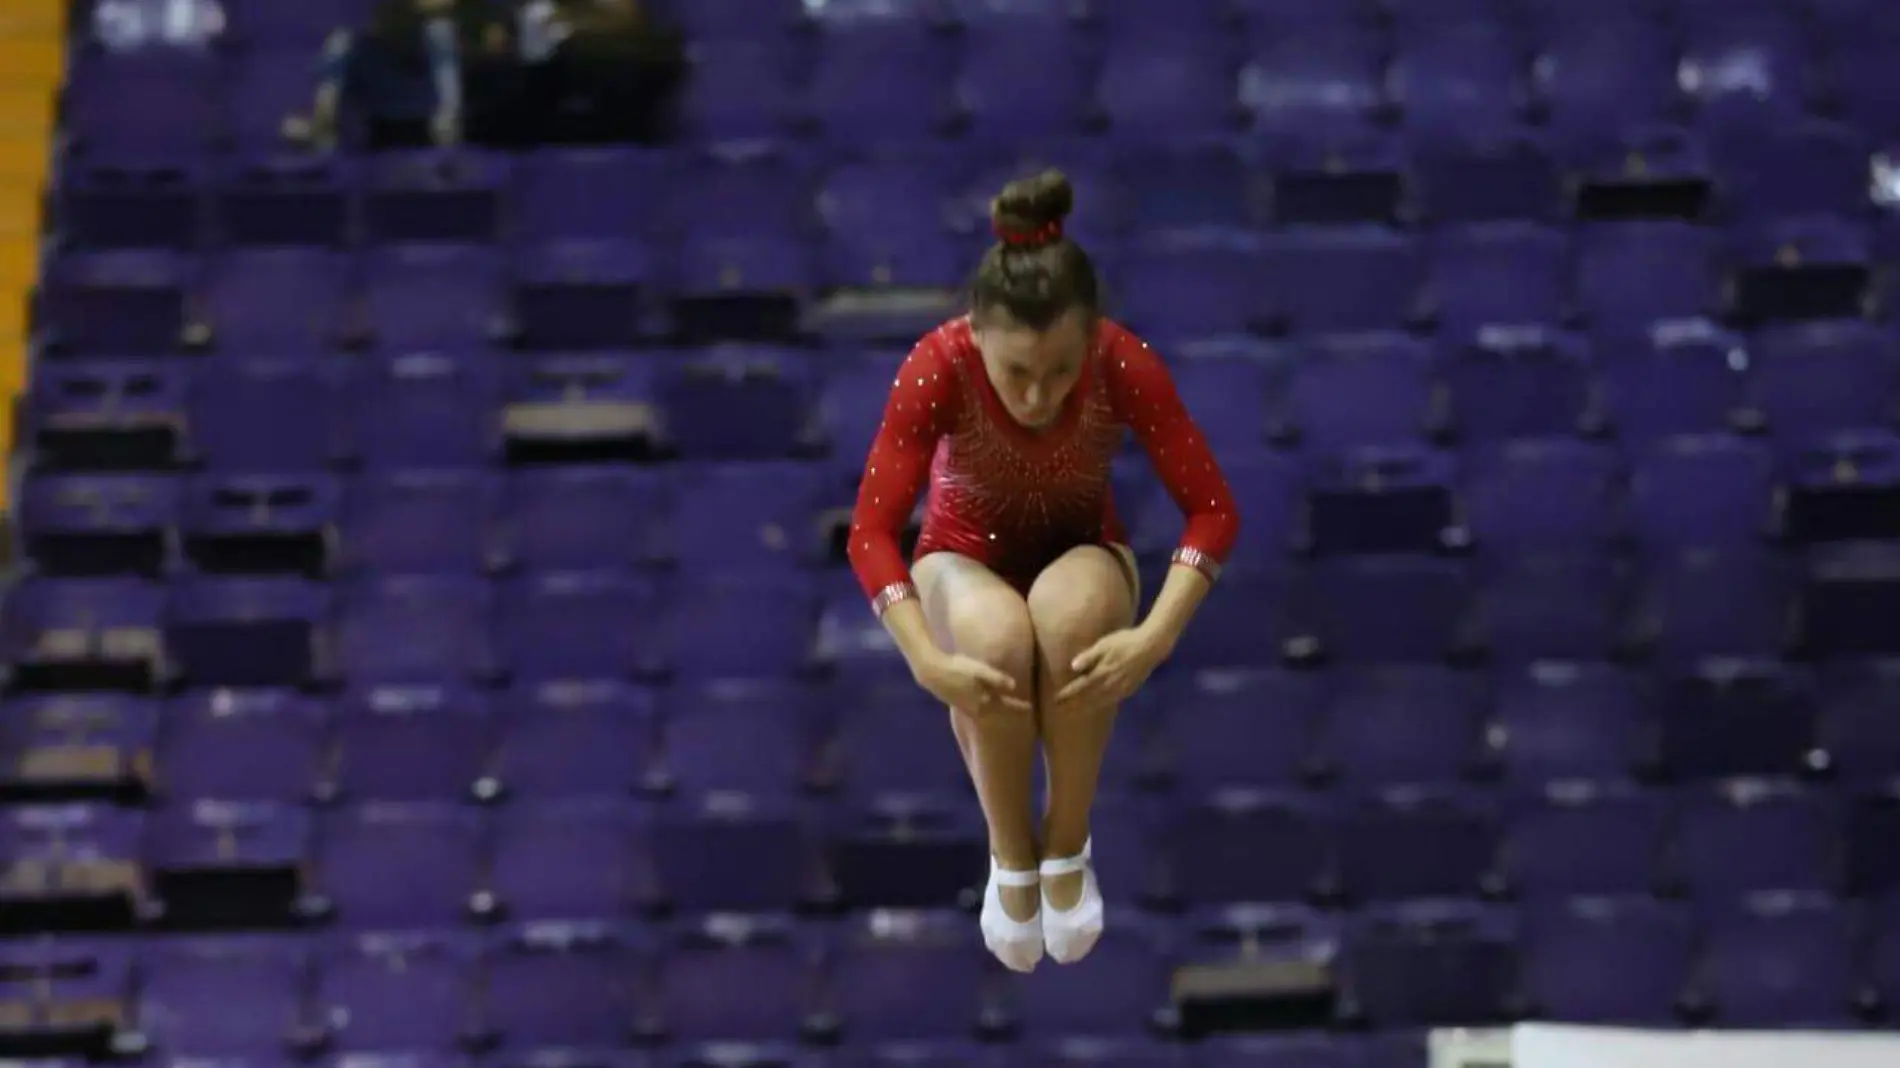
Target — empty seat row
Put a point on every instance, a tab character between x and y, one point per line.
1510	285
1355	729
608	855
384	864
1786	961
874	203
1035	78
603	625
1543	498
1826	397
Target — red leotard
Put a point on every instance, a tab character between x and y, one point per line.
1013	498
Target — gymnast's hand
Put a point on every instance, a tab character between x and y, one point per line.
969	685
1110	671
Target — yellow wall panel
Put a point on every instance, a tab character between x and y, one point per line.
25	111
24	159
33	61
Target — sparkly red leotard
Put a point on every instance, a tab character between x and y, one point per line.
1012	498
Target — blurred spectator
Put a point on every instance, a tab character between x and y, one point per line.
127	25
443	71
405	74
599	70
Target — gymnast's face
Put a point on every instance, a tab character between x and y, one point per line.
1033	370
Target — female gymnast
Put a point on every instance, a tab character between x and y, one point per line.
1019	611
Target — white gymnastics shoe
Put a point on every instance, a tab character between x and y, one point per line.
1017	943
1069	934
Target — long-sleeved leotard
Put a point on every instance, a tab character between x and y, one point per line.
1013	498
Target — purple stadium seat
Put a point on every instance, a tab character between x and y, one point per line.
1580	839
425	297
581	293
190	986
425	412
1809	380
1859	729
1459	78
259	524
1780	961
568	860
1467	953
1021	79
1573	722
1190	186
431	196
1737	717
1486	177
888	972
878	745
410	745
1338	280
1598	960
582	516
1192	284
1165	86
1249	847
1512	384
1570	606
1672	378
137	204
261	847
746	518
80	525
1416	843
77	744
1400	725
1422	614
1701	492
592	193
738	403
276	302
383	866
238	745
577	740
1611	74
117	303
1372	389
1745	71
1498	274
67	855
1121	1002
589	406
562	985
97	630
152	101
280	201
1536	496
877	79
771	958
1249	729
1715	604
702	720
1313	78
695	839
413	630
1751	836
416	522
279	415
395	992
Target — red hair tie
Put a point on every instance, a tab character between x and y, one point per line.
1046	234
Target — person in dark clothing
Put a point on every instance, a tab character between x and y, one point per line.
601	71
422	72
